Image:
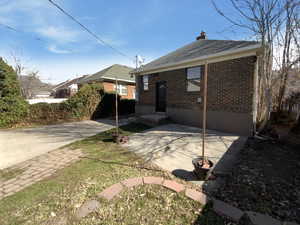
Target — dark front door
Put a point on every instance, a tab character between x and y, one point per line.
161	96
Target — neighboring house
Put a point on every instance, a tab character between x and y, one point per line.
33	87
173	84
108	76
41	94
68	88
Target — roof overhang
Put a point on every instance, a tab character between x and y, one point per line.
110	78
213	58
106	78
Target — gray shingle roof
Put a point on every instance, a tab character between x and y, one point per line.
120	72
196	49
68	83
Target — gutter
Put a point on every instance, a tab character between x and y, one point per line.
109	78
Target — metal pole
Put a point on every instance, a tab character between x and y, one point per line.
117	116
204	112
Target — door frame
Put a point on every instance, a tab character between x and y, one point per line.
157	108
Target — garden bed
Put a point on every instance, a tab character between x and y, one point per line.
266	180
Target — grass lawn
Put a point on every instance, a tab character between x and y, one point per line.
56	198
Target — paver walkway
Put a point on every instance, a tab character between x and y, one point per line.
18	145
38	168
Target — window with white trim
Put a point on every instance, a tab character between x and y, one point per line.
145	82
193	78
122	89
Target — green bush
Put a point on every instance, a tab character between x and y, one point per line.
84	103
107	106
44	113
127	106
13	108
80	106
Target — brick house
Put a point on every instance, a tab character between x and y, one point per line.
173	84
108	76
67	88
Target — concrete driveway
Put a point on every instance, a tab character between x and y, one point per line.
172	147
18	145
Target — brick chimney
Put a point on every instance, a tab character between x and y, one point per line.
202	36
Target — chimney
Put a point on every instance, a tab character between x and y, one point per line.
202	36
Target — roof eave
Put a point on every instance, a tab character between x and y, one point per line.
222	56
118	79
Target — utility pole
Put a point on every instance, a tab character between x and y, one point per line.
136	61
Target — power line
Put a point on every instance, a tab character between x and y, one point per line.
16	30
87	29
24	32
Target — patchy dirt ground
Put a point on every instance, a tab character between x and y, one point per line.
266	180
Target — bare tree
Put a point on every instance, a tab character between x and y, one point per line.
274	23
30	83
18	67
29	79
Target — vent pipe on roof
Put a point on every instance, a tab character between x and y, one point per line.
202	36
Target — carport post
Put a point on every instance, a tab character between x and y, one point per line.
117	118
204	111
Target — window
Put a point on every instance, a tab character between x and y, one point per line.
146	82
193	77
122	89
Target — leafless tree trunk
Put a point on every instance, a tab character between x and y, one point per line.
274	24
18	67
29	84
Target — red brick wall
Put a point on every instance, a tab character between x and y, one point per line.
110	87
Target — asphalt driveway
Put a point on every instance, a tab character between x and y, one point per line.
18	145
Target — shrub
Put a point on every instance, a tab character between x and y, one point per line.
13	108
107	106
127	106
84	103
44	113
80	106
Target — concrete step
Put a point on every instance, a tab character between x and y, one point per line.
153	119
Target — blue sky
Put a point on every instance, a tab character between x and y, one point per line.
150	28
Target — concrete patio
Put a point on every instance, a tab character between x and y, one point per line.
172	147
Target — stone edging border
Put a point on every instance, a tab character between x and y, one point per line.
219	207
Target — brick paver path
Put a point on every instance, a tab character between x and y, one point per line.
37	169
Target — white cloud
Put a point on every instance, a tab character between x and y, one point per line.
7	6
59	34
111	41
58	71
55	49
41	18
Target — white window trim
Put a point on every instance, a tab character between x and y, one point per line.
145	83
121	88
187	79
